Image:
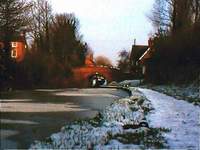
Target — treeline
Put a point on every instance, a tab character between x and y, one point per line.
55	44
176	42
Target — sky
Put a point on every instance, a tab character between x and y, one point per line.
109	26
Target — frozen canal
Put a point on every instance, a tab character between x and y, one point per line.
181	117
33	115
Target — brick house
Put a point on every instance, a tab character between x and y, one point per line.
18	48
136	52
140	57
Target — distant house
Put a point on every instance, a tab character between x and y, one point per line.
18	50
136	52
18	47
140	57
145	59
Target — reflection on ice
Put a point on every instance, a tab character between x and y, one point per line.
39	107
83	94
15	100
8	121
7	133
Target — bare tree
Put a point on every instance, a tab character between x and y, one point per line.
174	15
124	61
196	10
41	14
179	46
160	16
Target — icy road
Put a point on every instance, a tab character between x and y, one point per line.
181	117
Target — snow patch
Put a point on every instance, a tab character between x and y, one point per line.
131	82
181	117
190	93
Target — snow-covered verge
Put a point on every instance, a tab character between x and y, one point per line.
130	83
122	125
191	93
181	117
188	92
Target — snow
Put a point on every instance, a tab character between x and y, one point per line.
159	110
131	82
181	117
115	144
189	92
84	135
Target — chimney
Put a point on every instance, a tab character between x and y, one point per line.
134	42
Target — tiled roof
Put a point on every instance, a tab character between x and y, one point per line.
138	51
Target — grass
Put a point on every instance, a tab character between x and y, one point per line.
95	122
152	138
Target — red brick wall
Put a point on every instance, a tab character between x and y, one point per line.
19	48
82	74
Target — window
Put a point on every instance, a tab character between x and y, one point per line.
143	70
14	53
14	44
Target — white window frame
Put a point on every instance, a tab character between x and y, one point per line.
14	44
14	53
143	70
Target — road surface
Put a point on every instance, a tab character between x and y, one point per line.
30	115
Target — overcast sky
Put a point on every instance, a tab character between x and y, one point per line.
109	26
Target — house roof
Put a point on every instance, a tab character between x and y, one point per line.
137	51
146	55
